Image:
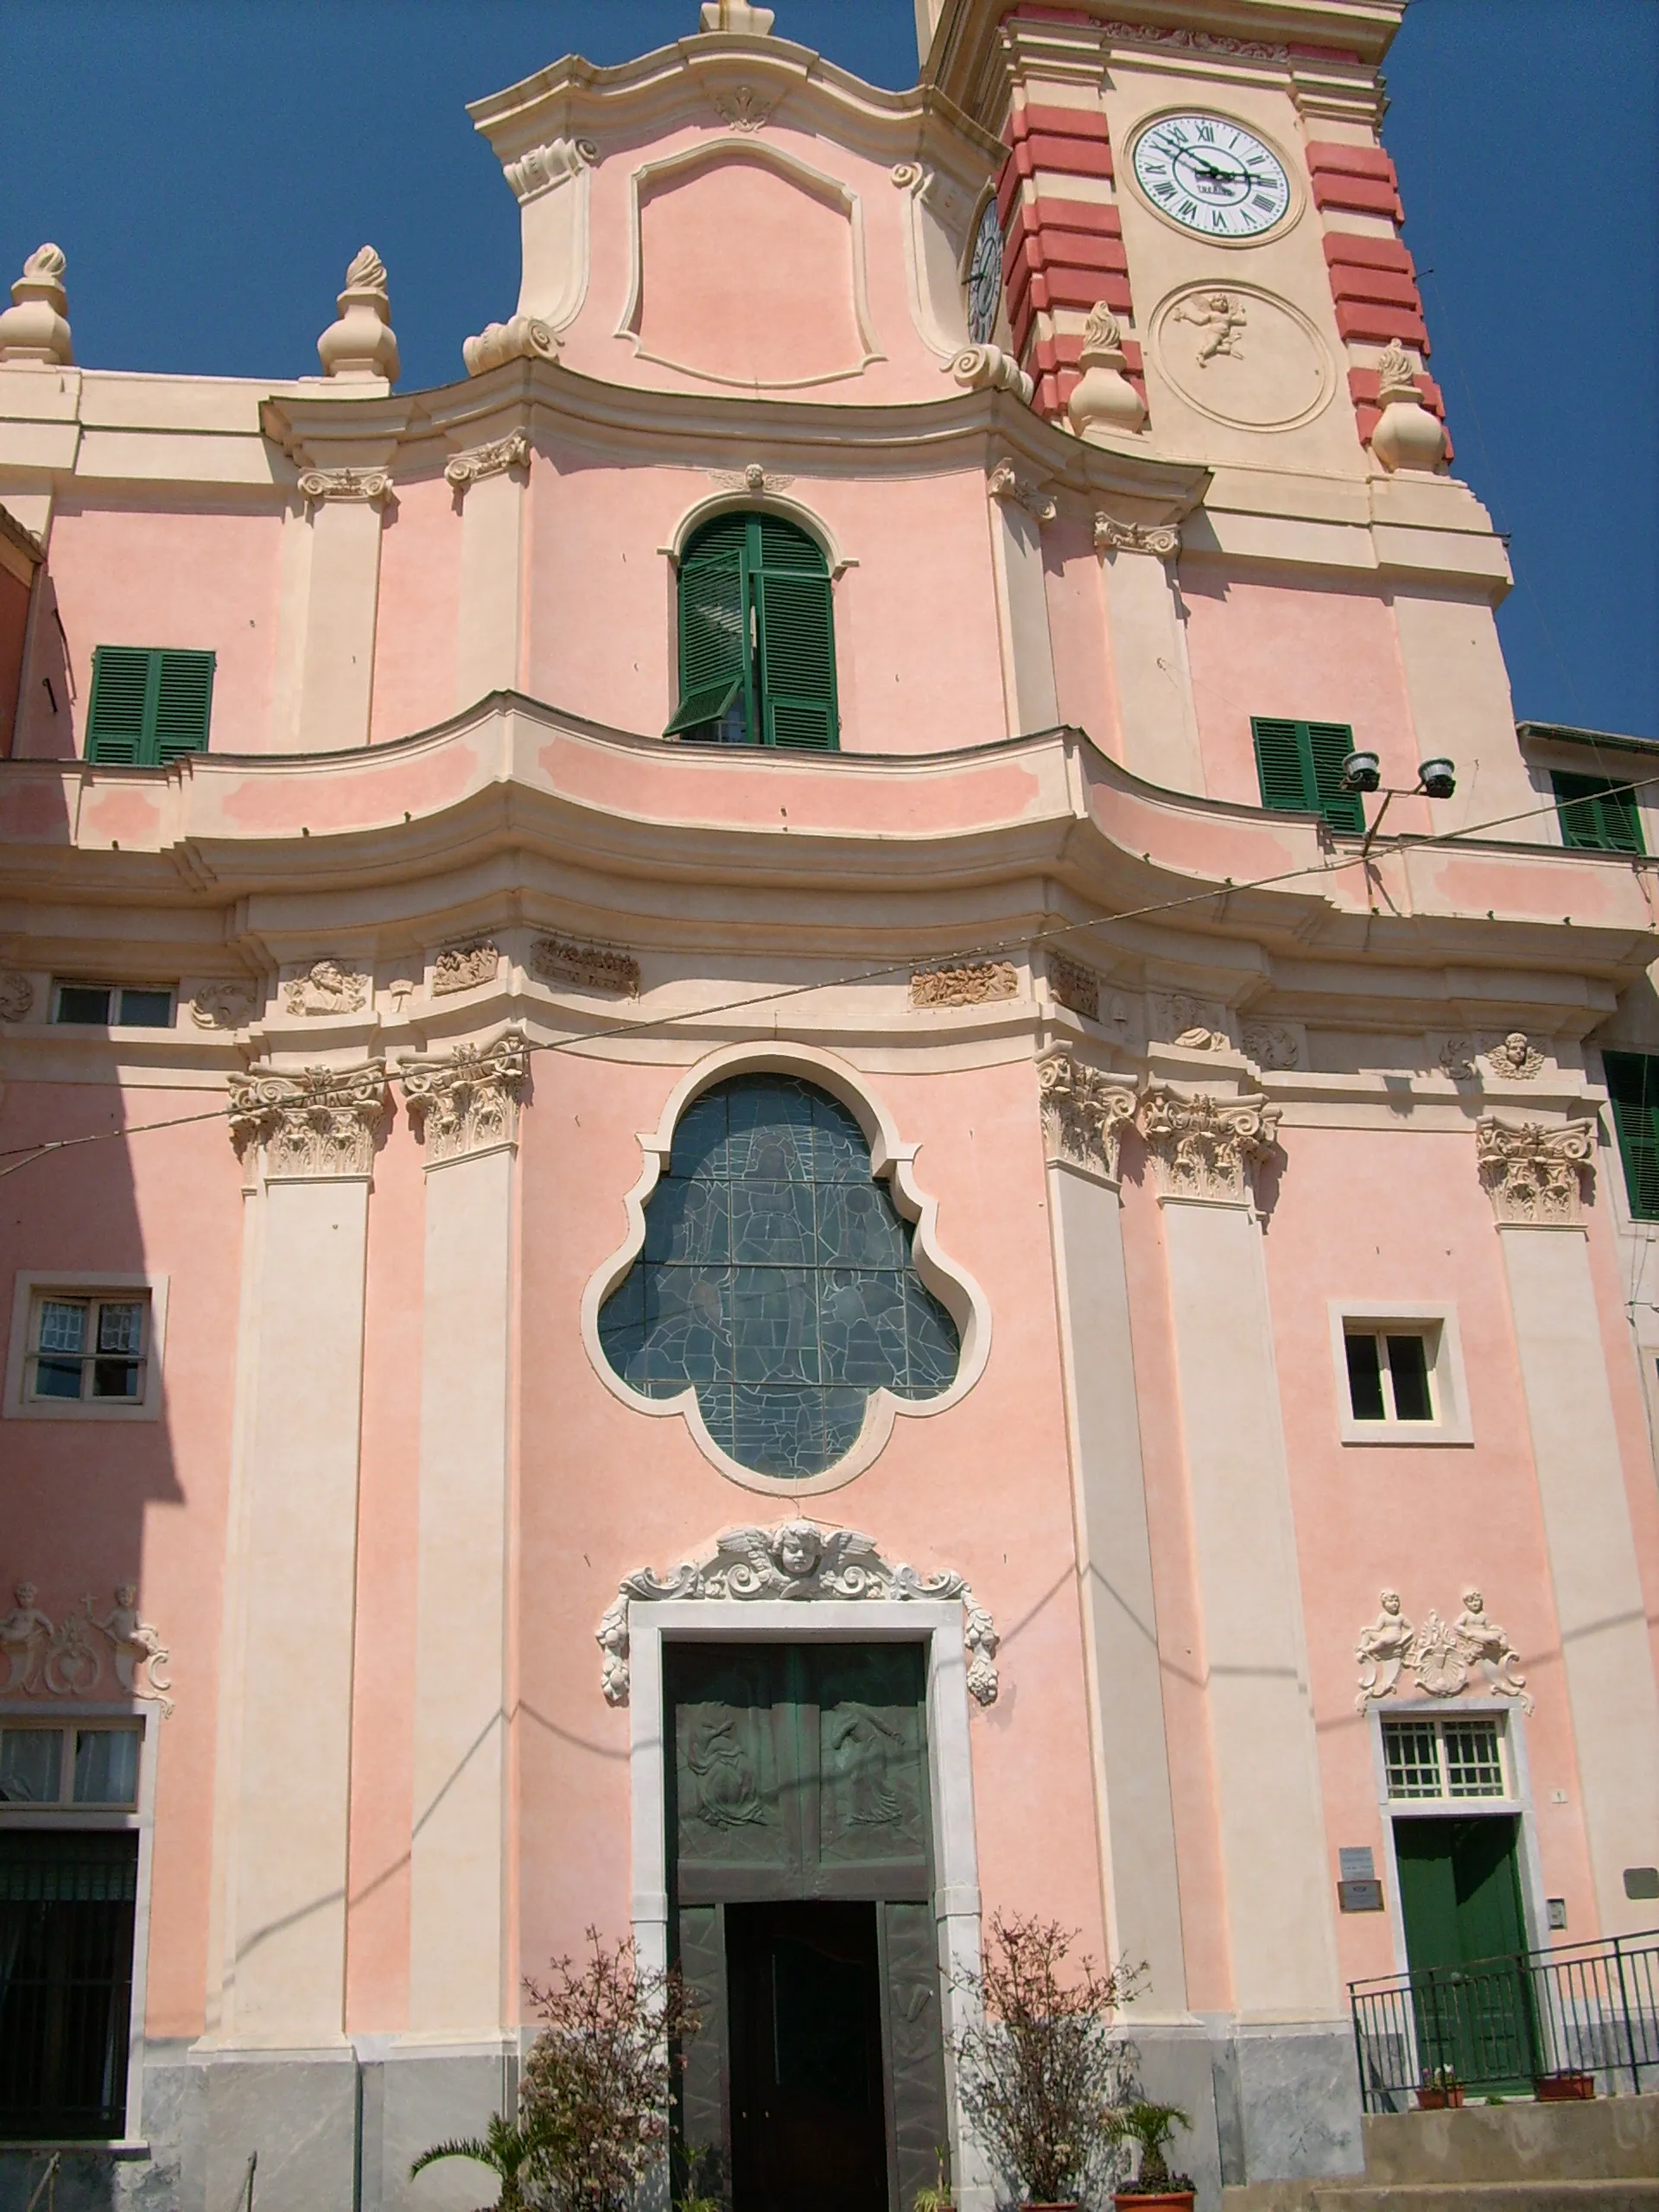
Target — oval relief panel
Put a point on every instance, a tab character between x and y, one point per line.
1242	357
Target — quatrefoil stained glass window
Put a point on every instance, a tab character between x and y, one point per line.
777	1280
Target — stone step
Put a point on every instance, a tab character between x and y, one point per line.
1443	2197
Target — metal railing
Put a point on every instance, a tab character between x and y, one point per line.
1501	2026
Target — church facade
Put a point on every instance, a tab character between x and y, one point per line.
746	1196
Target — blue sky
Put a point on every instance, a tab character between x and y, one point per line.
210	166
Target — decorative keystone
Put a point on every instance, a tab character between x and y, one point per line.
34	329
362	344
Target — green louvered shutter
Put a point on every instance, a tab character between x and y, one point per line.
713	639
798	659
150	704
1598	816
1633	1086
184	703
1329	745
1286	784
116	719
1300	764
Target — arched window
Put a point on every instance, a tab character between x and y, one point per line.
777	1280
757	642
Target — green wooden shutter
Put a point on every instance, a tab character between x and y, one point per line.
116	720
150	704
1329	745
1633	1086
184	702
1299	765
713	639
1598	816
798	659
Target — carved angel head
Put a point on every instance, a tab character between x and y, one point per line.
798	1548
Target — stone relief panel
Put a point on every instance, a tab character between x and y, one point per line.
464	967
977	982
321	1121
224	1003
1200	1024
17	997
327	986
1073	986
67	1658
1206	1148
802	1562
1239	356
1275	1047
1442	1658
1534	1173
594	966
1510	1059
1085	1112
467	1101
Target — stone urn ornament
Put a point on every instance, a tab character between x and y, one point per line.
1104	403
35	327
362	343
1407	436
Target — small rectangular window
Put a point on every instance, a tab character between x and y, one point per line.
88	1348
1300	768
107	1766
31	1766
1389	1375
1597	815
150	704
110	1005
1445	1759
95	1763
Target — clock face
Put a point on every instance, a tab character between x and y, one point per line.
985	275
1212	177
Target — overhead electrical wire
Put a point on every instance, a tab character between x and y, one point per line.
31	1155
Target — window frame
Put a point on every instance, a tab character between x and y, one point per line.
1635	1213
118	991
1448	1388
1351	804
752	685
150	749
1595	792
34	1286
1445	1798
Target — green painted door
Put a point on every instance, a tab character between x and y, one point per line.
1465	1942
798	1781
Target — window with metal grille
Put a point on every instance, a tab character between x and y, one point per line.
777	1281
1299	766
1597	815
67	1907
1633	1089
150	704
757	637
1445	1759
88	1348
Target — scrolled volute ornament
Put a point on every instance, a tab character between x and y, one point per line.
1533	1173
1085	1112
1206	1148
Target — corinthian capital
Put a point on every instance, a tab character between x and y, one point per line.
1204	1147
1085	1112
467	1100
1533	1173
321	1121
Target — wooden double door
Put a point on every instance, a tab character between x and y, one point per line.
801	1889
1473	2003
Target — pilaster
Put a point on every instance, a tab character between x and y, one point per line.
1018	508
1157	721
1536	1175
1203	1151
1085	1112
490	481
465	1104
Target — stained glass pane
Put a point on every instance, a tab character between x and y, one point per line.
777	1279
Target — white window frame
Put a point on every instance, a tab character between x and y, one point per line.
82	1282
1448	1386
102	983
1518	1805
139	1818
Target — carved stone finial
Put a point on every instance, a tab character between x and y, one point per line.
1084	1113
735	15
321	1122
988	368
1534	1173
362	343
1405	436
799	1561
1104	403
1204	1147
525	338
34	328
467	1101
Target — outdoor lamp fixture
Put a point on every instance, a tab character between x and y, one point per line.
1363	771
1436	778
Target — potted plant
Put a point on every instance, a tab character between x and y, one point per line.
593	2102
935	2195
1150	2126
1440	2089
1570	2086
1041	2063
